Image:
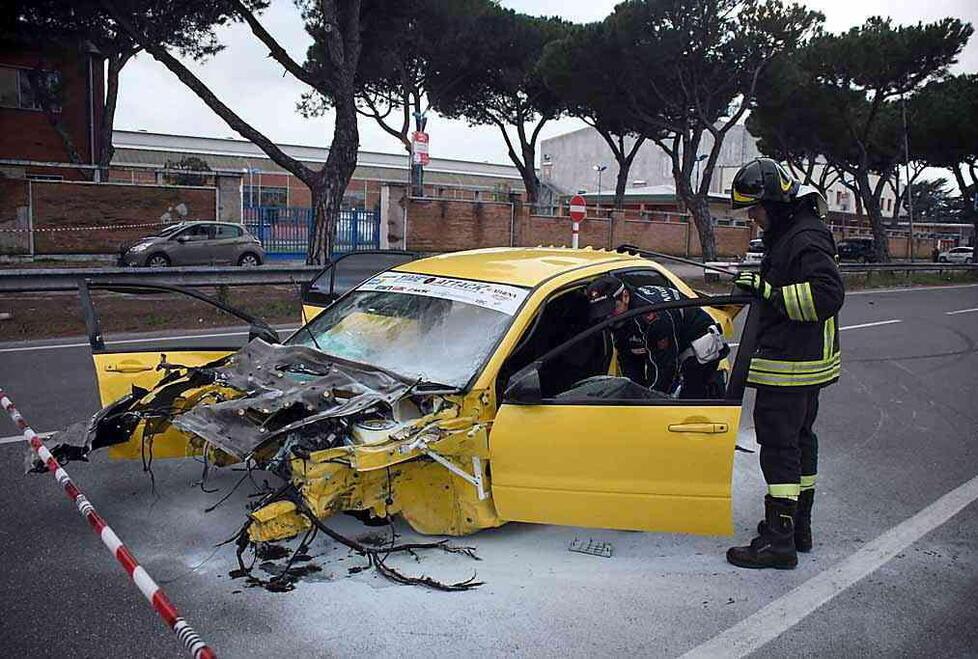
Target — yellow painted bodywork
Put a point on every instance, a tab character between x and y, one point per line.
615	466
596	465
117	372
310	311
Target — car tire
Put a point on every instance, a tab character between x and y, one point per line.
969	260
158	261
943	259
249	260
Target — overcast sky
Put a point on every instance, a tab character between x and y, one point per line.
242	75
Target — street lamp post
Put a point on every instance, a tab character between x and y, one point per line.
599	169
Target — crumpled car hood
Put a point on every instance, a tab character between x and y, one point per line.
287	389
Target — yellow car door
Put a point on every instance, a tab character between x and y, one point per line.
119	369
642	463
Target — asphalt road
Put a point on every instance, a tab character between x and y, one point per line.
897	434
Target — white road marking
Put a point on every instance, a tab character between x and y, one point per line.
13	439
849	327
872	291
952	313
876	324
146	340
758	629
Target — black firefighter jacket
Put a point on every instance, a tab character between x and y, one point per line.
798	336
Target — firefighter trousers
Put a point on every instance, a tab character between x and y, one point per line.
783	420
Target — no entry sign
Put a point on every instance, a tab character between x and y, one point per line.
578	208
578	211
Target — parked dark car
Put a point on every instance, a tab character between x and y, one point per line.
195	243
856	249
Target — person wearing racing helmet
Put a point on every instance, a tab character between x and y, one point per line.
672	351
797	352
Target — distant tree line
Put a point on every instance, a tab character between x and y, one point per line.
677	73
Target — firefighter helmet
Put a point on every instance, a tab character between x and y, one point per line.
762	179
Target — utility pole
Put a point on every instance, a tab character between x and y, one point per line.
906	160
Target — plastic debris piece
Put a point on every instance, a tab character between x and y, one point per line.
589	546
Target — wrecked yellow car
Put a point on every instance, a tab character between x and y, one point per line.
458	391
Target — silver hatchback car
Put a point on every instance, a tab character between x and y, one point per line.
195	243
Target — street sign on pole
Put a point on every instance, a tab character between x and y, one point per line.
419	148
578	211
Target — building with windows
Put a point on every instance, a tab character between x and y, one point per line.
571	162
49	99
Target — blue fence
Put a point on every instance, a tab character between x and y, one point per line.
284	232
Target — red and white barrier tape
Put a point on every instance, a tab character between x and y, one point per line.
152	592
89	228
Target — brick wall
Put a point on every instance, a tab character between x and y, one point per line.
533	230
667	237
27	134
446	226
63	205
731	241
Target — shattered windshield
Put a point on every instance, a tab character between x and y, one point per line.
436	329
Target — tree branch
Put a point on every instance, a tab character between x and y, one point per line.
274	48
304	173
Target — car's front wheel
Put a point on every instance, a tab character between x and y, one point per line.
158	261
943	259
249	260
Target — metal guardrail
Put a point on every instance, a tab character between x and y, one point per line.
29	280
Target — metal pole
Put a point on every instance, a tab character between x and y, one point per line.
906	155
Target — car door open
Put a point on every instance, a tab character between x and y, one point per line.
608	453
123	371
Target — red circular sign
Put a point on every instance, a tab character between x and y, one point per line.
578	208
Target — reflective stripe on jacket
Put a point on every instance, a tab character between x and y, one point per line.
798	338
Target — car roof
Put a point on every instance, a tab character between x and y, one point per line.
516	265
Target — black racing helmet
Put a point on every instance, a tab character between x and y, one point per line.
762	179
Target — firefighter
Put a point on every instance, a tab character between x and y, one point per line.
675	351
797	352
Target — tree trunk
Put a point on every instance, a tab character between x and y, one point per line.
106	150
621	183
529	174
332	181
870	201
700	209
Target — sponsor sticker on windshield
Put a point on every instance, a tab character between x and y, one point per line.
498	297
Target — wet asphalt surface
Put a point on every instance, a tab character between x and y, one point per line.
898	432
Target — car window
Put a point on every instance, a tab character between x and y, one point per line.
418	326
662	375
197	231
227	231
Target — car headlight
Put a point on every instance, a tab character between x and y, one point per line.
140	247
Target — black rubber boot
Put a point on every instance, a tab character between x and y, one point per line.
775	544
803	521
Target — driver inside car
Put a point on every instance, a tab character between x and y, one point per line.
674	351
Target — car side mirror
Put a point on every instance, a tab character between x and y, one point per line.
263	332
524	386
183	239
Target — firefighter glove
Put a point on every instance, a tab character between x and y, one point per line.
752	282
